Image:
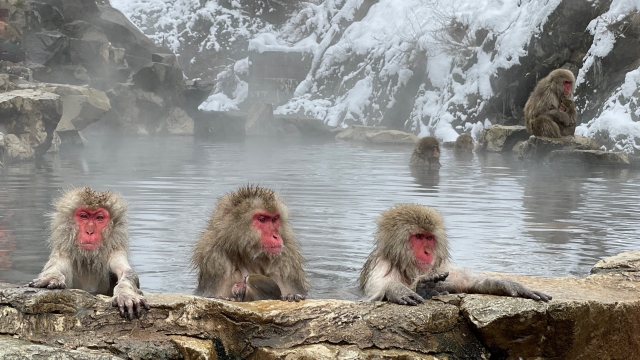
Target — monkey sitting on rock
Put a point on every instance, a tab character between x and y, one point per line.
550	110
410	262
90	249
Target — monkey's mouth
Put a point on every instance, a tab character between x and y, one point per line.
272	249
424	265
89	246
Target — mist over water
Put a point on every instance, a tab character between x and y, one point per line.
500	215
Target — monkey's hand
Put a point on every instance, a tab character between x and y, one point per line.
129	300
400	294
512	288
49	280
427	285
293	297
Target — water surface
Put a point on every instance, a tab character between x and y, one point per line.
500	215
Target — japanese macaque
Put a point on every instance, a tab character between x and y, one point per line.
412	254
90	249
256	287
463	144
249	233
550	110
427	153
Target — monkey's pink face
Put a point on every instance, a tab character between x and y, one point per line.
567	87
423	245
268	225
90	226
436	152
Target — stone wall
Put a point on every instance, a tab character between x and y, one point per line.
597	317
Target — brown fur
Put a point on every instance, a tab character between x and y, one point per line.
230	245
544	112
259	287
64	229
103	271
394	227
464	143
390	272
423	153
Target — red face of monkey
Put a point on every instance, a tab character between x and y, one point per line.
423	244
268	225
567	87
90	226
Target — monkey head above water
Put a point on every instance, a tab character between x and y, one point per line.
550	110
249	233
426	153
464	143
411	254
90	249
256	287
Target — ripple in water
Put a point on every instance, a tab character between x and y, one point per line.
500	216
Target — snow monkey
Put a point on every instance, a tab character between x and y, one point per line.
90	249
550	110
411	253
256	287
426	153
249	233
464	144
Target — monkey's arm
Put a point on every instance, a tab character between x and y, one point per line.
126	294
463	282
426	286
383	285
57	272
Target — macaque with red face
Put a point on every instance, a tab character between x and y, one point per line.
426	154
90	249
410	262
249	233
550	110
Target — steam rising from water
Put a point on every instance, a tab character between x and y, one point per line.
500	216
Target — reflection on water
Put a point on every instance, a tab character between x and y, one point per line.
500	215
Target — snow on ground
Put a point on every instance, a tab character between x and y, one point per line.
617	116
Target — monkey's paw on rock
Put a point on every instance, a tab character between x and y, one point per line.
598	315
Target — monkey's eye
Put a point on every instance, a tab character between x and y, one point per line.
100	217
84	216
430	237
419	236
274	219
262	219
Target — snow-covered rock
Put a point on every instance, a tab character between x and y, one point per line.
428	67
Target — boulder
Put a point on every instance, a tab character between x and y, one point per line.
538	148
597	317
260	120
82	106
48	48
379	135
308	127
176	123
124	34
588	157
627	261
394	137
357	133
168	58
500	138
32	115
17	149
